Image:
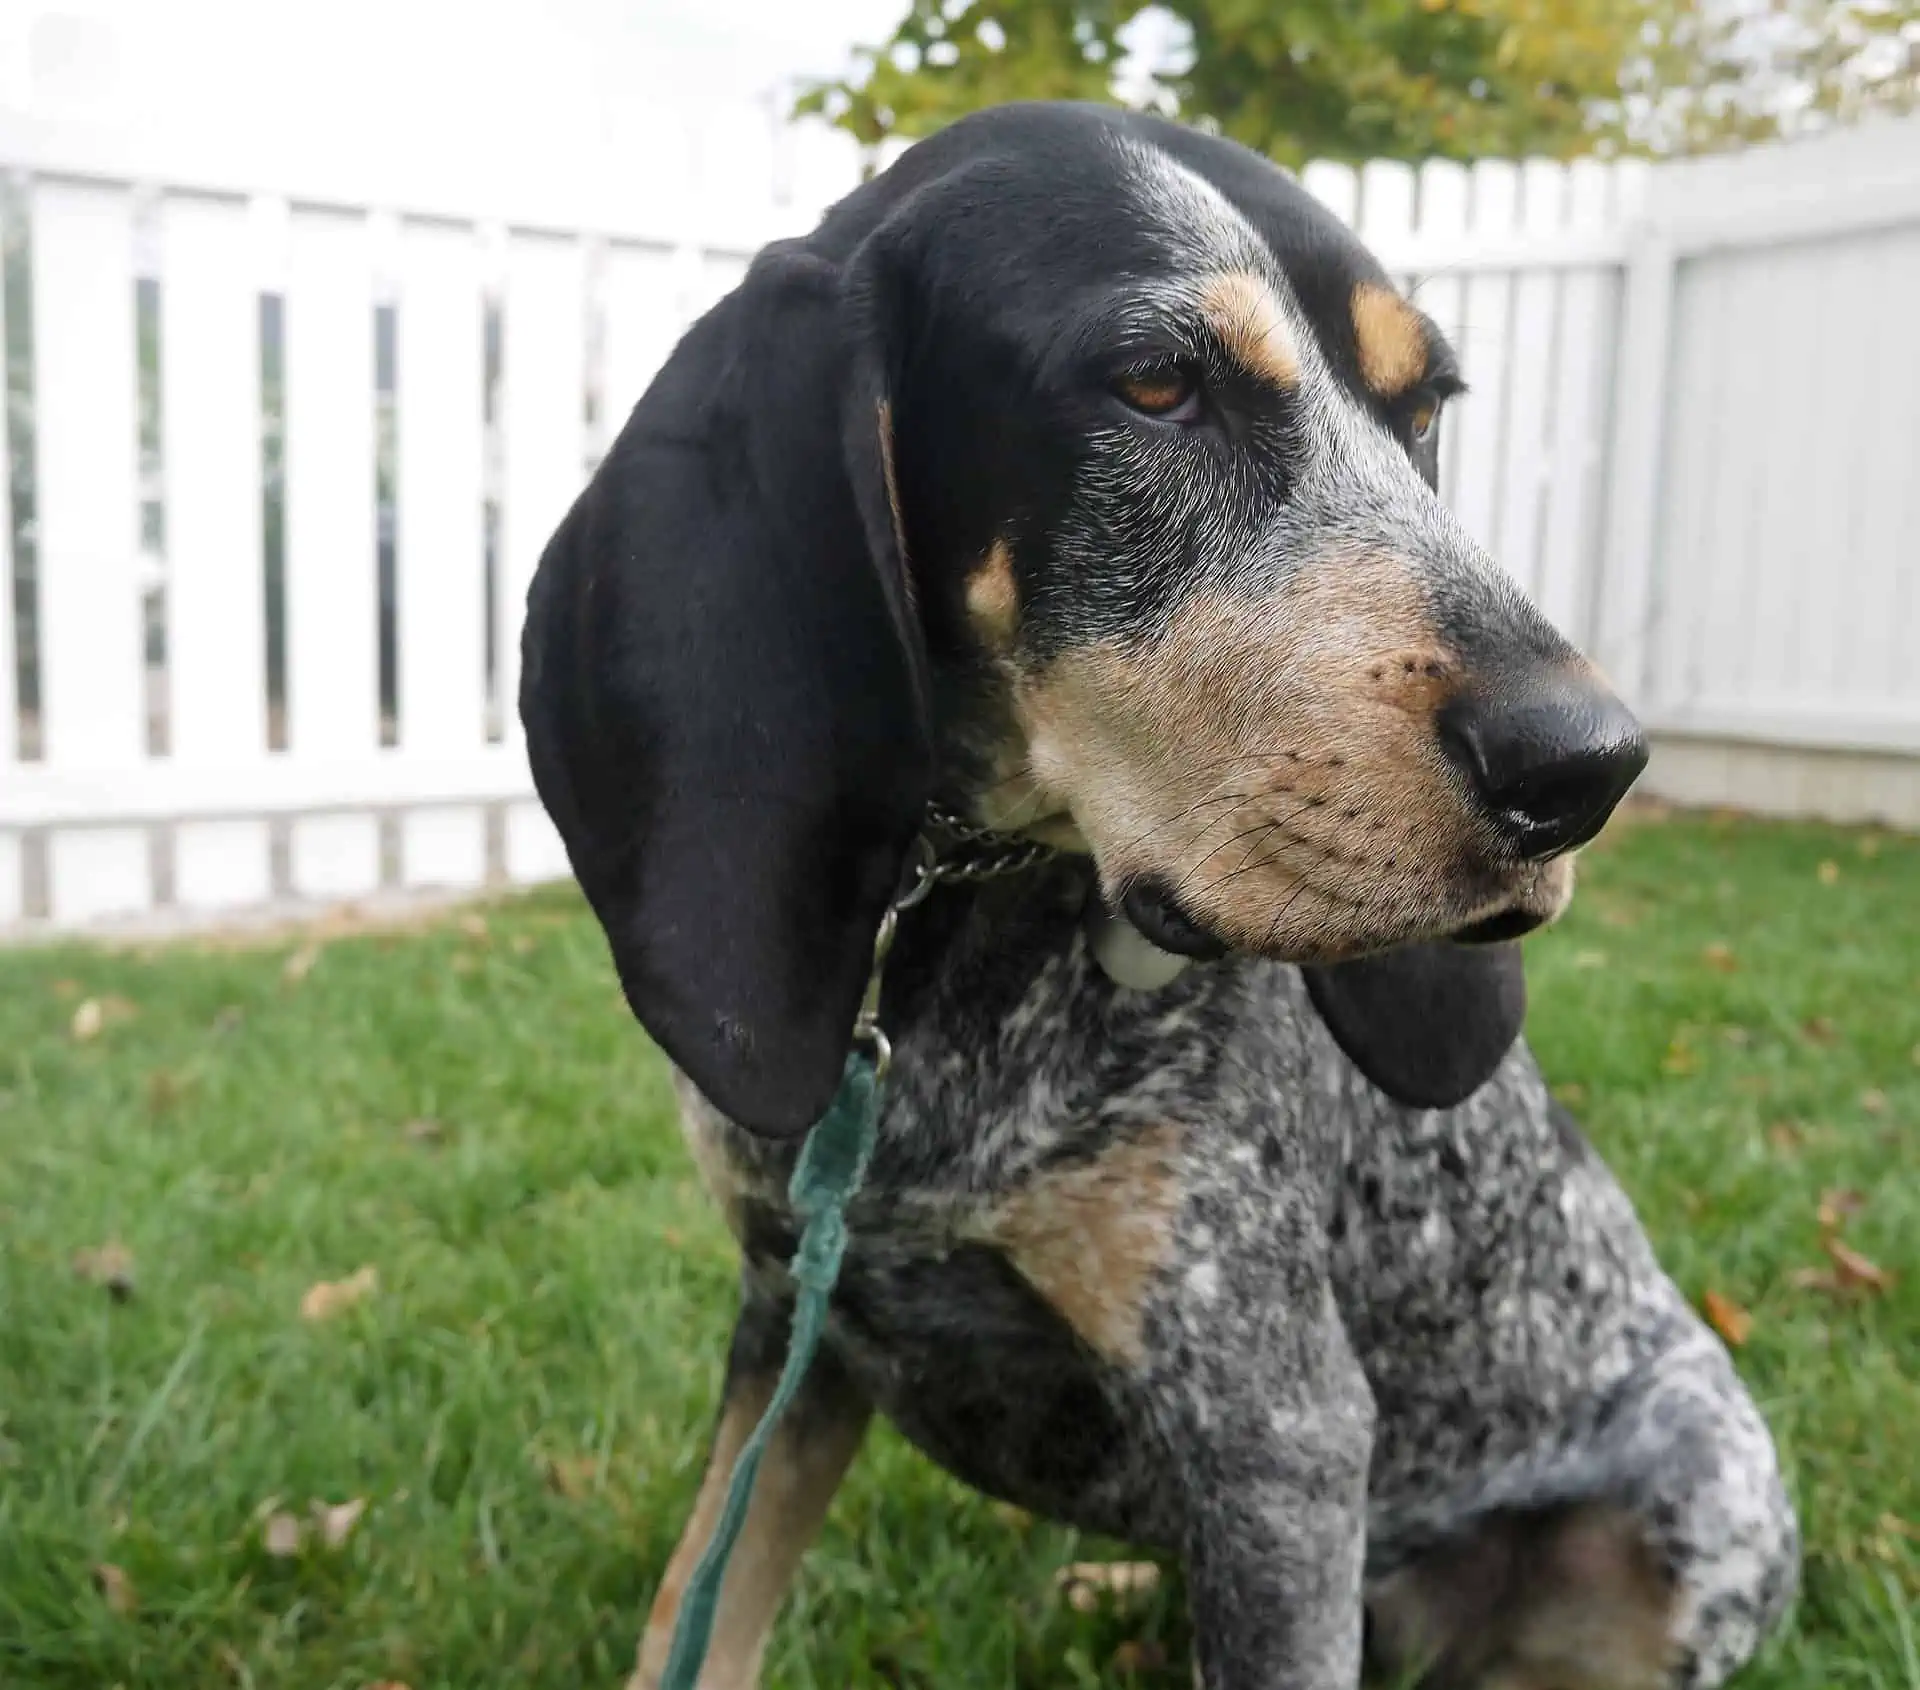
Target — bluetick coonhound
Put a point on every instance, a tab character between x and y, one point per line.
1076	476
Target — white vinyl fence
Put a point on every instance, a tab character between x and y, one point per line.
284	450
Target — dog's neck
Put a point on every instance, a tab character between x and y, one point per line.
993	802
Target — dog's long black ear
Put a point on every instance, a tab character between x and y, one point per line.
724	690
1427	1024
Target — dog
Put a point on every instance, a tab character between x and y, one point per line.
1075	478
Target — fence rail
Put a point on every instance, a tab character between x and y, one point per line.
285	439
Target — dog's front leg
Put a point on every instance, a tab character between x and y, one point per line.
1281	1436
803	1467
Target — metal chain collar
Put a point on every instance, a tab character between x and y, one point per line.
980	854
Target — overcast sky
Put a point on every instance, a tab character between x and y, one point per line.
72	54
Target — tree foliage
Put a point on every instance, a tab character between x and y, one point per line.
1748	70
1355	79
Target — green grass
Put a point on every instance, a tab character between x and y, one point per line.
524	1398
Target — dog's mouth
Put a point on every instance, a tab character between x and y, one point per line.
1153	909
1158	915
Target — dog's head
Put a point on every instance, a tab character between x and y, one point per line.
1081	468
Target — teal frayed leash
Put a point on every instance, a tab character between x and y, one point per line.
833	1161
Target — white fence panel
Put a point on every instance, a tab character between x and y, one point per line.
440	552
216	614
92	708
1780	548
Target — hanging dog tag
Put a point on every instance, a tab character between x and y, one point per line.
1126	955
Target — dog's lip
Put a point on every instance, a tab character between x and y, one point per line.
1512	923
1162	921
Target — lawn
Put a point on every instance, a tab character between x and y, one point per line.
459	1134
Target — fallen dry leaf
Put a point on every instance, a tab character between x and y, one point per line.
1679	1059
1829	872
1814	1279
463	963
66	990
1786	1137
115	1588
522	943
1836	1205
1853	1268
1820	1029
334	1521
1720	957
1086	1583
326	1299
282	1536
424	1131
165	1089
1589	959
474	925
1138	1655
388	1684
109	1264
1728	1318
573	1476
1874	1101
95	1015
298	966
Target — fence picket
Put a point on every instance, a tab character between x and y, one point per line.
1530	377
439	557
1493	203
1889	601
543	387
1442	294
332	605
1335	186
1583	352
1386	203
12	884
86	436
644	317
210	432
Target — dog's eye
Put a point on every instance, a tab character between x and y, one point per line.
1425	415
1165	392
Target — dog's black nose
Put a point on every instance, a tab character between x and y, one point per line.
1548	756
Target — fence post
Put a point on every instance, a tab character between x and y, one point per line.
1626	605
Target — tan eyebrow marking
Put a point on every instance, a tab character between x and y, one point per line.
993	601
1241	309
1391	338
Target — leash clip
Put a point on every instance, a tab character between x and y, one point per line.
923	874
